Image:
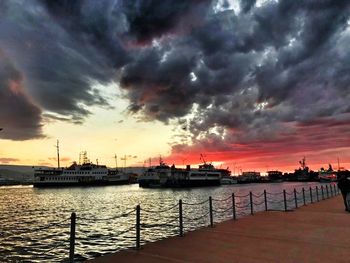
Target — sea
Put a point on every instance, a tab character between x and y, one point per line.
35	222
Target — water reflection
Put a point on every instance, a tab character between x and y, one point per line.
35	222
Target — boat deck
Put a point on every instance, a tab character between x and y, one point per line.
317	232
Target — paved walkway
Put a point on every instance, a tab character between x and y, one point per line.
318	232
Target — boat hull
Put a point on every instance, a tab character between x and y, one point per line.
74	184
179	184
327	180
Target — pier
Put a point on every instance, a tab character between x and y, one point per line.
316	232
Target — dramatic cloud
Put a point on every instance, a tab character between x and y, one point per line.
230	72
151	19
20	118
59	63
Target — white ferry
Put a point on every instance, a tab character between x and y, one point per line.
249	177
326	176
157	176
166	176
85	174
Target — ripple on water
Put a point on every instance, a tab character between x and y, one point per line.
29	216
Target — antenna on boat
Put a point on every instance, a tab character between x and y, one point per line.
303	163
83	159
58	154
202	159
338	164
116	161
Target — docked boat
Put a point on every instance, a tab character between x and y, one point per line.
249	177
85	174
275	176
155	176
302	174
326	176
227	180
170	176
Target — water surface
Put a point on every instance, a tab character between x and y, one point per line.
35	222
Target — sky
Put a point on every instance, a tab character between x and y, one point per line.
249	84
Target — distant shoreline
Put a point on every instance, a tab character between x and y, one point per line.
15	183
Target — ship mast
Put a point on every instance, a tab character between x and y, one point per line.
202	159
58	154
116	161
303	163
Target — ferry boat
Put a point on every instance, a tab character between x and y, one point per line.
275	176
303	173
227	180
166	176
85	174
326	176
155	176
249	177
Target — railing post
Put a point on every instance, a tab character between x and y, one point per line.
327	191
138	226
311	195
285	200
265	199
180	218
72	237
304	196
295	198
322	192
317	194
233	206
251	203
211	211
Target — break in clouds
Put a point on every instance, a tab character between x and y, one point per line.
227	72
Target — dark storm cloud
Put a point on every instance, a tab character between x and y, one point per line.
246	5
58	57
19	117
152	18
161	88
245	73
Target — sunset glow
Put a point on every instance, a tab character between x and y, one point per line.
253	85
